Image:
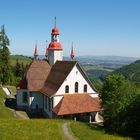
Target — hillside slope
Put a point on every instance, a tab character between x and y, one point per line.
131	71
21	59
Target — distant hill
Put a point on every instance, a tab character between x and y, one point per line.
21	59
131	71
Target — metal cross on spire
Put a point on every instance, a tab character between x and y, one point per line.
55	21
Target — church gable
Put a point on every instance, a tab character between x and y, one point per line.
76	82
58	73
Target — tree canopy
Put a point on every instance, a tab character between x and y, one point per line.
117	95
5	73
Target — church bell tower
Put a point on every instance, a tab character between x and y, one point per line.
55	51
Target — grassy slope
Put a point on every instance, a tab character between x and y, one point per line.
89	132
4	111
34	129
20	58
12	89
131	71
50	129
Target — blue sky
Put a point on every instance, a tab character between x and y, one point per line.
97	27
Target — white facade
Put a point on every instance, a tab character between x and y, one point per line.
74	76
54	55
36	101
20	101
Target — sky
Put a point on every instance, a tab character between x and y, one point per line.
96	27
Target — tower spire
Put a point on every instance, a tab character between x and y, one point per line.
35	51
55	50
55	21
72	52
46	54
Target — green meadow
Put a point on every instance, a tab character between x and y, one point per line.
34	129
5	112
85	131
12	128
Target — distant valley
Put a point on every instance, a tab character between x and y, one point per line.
97	66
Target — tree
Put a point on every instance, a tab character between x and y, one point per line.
5	69
117	94
19	69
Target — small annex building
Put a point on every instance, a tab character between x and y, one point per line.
57	88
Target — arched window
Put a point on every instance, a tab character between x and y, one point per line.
85	88
66	89
76	86
25	97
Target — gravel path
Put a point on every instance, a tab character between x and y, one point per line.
68	135
18	114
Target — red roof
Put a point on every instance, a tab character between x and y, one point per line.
22	84
55	31
56	77
77	103
36	76
55	46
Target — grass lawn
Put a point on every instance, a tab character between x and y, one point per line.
4	111
45	129
85	131
34	129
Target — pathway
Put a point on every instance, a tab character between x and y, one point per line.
17	113
6	90
68	135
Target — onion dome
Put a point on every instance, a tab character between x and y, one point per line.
55	46
55	31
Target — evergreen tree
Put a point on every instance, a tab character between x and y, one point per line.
18	69
5	69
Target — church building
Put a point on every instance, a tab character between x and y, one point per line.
58	88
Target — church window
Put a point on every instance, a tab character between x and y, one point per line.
76	86
76	72
85	88
66	89
25	97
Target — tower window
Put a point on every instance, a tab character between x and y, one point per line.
66	89
25	97
85	88
76	86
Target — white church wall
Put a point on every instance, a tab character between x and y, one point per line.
19	98
36	100
94	95
57	100
55	55
75	76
